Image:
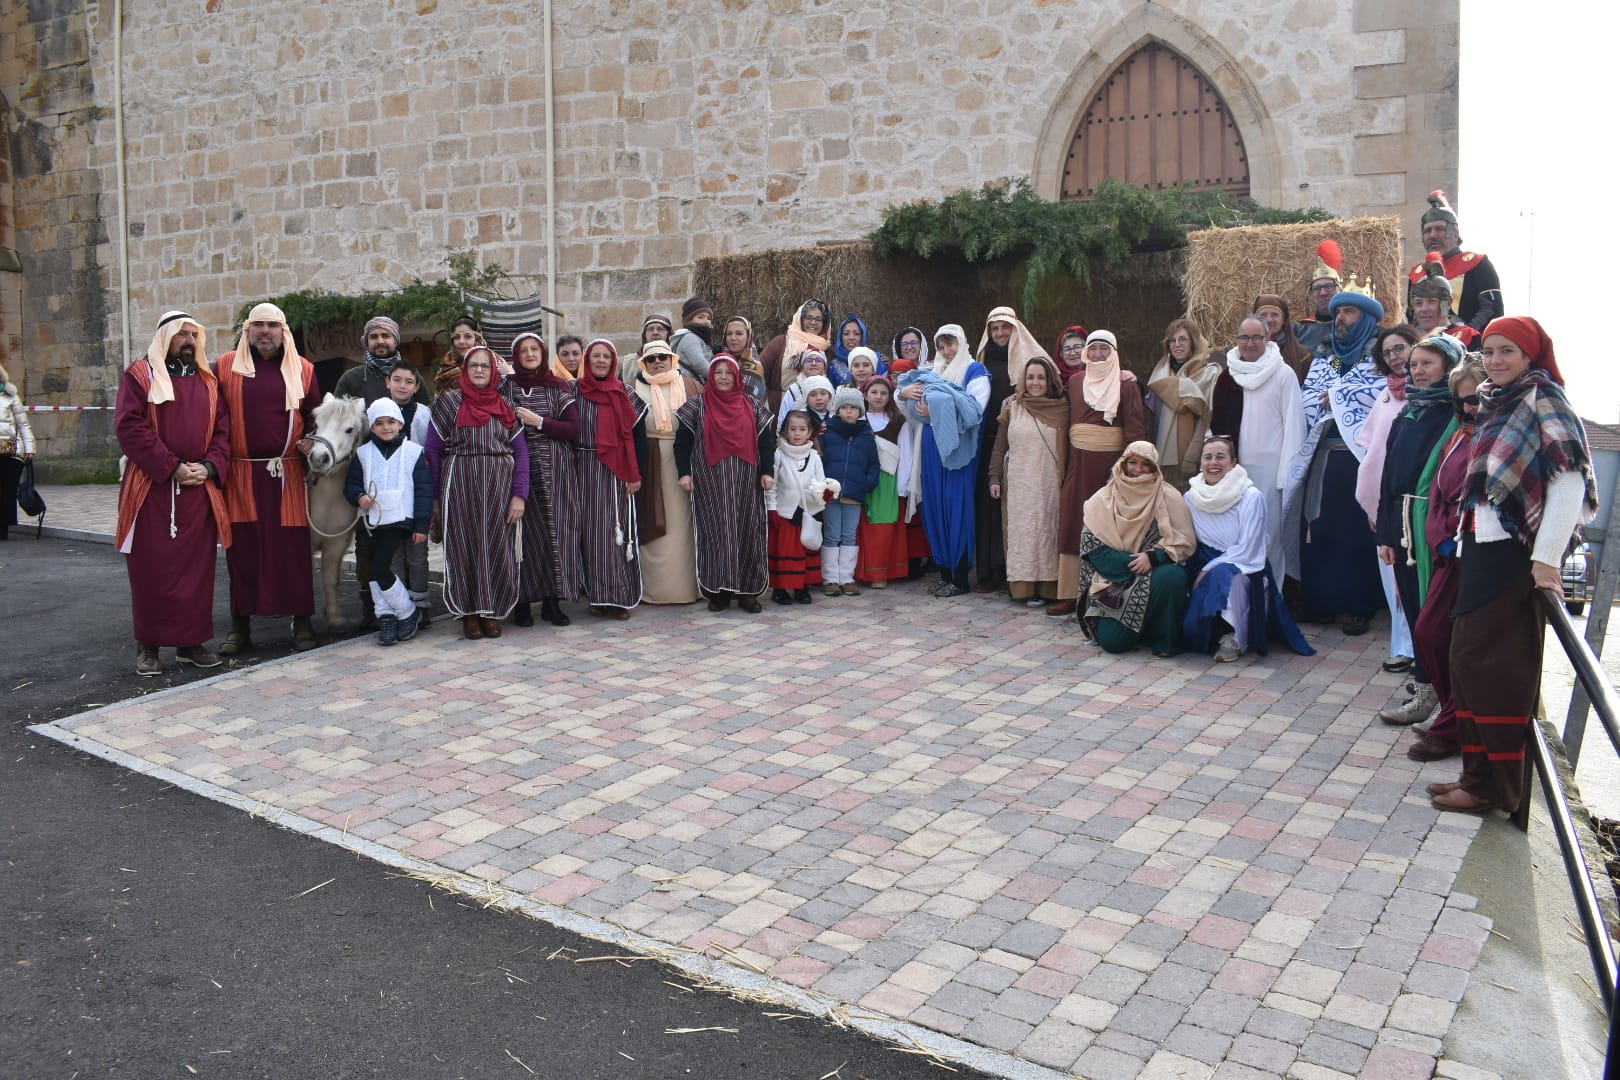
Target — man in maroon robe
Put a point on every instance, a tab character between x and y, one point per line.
175	432
271	394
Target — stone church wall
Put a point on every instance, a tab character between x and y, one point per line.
346	146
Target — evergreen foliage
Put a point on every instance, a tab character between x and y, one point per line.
1009	221
435	303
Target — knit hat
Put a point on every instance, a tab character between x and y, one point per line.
815	382
1434	285
661	320
383	409
693	306
383	322
1329	262
862	350
1447	346
847	395
1439	210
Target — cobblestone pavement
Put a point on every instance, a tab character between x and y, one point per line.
949	813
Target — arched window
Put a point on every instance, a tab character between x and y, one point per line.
1156	122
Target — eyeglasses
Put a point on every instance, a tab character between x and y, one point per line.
1397	349
1251	339
1328	288
1068	350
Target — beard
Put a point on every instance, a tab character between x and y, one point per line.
186	354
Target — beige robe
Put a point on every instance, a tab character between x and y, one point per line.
669	563
1028	463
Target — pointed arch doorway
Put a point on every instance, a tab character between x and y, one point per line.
1156	122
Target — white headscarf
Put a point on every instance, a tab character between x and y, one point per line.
157	354
956	371
1021	347
292	372
1100	387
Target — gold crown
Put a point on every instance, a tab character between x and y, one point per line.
1353	285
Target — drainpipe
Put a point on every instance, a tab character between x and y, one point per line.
551	171
118	159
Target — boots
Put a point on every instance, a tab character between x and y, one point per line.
551	611
1415	709
781	596
387	629
849	553
522	615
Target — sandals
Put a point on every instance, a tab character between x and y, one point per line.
303	634
238	639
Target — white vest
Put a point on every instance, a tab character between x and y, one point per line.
389	481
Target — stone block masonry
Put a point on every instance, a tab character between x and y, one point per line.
351	146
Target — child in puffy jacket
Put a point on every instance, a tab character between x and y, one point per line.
849	455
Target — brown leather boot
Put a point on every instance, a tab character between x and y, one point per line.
472	628
146	660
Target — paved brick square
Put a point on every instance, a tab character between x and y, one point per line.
952	814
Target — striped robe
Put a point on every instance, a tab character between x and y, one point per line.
552	567
729	508
475	486
607	509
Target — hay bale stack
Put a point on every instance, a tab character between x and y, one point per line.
767	287
1136	301
1228	268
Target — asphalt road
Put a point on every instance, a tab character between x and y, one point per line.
148	932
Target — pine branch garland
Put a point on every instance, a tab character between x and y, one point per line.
1005	221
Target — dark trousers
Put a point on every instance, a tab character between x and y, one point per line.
11	469
385	544
1406	585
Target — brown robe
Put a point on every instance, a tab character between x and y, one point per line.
1089	470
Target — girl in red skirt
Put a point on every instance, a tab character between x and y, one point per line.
794	505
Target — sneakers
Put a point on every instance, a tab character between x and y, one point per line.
147	663
407	627
388	629
830	589
849	588
1420	706
197	657
1227	650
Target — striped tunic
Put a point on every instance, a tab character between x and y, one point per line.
552	568
607	518
475	481
728	504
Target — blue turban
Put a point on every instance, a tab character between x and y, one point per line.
1351	348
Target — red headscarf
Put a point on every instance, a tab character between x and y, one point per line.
730	426
529	378
478	404
615	427
1531	339
1065	368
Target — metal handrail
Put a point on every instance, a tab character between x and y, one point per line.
1606	703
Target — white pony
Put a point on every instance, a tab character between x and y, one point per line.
340	427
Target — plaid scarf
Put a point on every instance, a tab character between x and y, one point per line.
1527	435
382	366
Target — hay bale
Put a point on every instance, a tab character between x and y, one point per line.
1228	268
1136	301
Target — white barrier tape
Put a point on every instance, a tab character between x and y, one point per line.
69	408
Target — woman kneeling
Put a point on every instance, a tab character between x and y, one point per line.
1235	601
1137	534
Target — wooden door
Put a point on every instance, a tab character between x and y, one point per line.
1157	122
